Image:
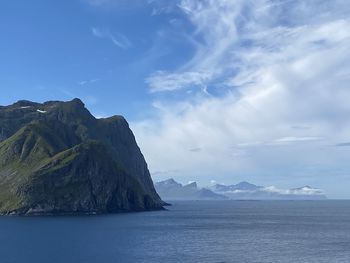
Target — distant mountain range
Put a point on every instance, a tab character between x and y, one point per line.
172	190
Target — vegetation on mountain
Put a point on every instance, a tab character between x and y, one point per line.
56	158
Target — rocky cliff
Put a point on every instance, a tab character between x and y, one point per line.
56	158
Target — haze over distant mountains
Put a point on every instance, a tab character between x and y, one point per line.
172	190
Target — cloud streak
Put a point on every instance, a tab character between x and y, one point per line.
85	82
163	81
118	40
344	144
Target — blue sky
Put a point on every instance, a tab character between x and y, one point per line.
102	54
223	90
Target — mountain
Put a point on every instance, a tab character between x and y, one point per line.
172	190
56	158
247	191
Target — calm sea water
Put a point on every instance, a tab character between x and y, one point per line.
223	231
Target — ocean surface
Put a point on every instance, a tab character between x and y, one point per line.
196	231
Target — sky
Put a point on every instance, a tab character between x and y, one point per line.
223	90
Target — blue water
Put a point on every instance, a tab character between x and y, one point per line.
217	231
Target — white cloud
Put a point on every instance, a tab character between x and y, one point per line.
215	27
306	190
296	139
85	82
283	65
119	40
163	81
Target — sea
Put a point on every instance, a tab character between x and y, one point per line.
189	231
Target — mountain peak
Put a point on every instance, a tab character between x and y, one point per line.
191	185
170	181
77	102
57	158
171	190
246	186
24	103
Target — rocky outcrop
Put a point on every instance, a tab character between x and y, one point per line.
56	158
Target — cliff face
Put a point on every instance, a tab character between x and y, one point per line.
56	158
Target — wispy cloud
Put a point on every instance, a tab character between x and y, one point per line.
198	149
281	68
211	40
306	190
343	144
118	39
293	139
166	172
85	82
164	81
301	127
281	141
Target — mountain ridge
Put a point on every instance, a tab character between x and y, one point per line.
242	191
172	190
59	145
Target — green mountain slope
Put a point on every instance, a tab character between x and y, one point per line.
56	158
